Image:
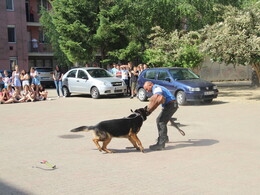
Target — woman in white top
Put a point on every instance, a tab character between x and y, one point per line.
24	77
16	78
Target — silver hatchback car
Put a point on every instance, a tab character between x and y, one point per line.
93	81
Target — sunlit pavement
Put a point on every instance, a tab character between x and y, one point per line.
219	154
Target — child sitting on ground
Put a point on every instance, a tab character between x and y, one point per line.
16	96
43	93
5	98
26	94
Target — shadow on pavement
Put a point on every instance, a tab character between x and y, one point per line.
213	103
115	151
180	144
257	98
192	143
69	136
8	189
101	97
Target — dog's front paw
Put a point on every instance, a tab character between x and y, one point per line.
142	150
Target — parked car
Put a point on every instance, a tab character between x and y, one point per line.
93	81
45	75
185	85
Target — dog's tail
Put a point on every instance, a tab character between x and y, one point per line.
83	128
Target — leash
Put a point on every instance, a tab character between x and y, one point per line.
176	125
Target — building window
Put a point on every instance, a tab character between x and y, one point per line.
39	63
42	3
12	62
10	5
11	34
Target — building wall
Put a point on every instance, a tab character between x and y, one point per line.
27	27
18	49
221	72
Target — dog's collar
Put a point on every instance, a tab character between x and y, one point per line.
140	116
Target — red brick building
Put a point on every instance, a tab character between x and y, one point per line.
22	39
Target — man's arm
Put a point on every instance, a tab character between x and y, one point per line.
155	101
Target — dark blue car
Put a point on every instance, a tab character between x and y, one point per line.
183	83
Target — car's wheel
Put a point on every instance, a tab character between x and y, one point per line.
66	91
181	98
95	93
142	95
208	101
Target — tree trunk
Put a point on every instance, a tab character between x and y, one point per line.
103	56
257	71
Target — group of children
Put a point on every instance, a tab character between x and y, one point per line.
17	88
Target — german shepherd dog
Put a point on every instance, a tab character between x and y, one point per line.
127	127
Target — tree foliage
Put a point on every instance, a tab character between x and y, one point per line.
178	48
75	24
52	35
119	29
236	40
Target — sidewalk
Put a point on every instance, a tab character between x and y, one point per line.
232	83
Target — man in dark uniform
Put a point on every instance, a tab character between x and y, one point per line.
162	96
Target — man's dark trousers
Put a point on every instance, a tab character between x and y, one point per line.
163	119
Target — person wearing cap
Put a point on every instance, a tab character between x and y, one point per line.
163	96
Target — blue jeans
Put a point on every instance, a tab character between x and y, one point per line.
58	85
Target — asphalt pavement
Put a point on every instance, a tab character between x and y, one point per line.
219	154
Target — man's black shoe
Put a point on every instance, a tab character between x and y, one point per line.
157	146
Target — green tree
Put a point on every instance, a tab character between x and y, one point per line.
174	49
119	29
139	17
75	24
110	33
236	40
52	37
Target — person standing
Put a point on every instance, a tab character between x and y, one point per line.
129	68
6	79
163	96
118	73
57	77
125	73
16	78
145	66
24	77
134	78
35	79
114	70
35	45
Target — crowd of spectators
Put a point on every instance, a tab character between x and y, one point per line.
21	87
129	74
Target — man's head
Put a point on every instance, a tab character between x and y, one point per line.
148	85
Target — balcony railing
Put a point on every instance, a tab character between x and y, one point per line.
32	17
39	47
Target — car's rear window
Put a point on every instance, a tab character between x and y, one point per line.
44	69
183	74
99	73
